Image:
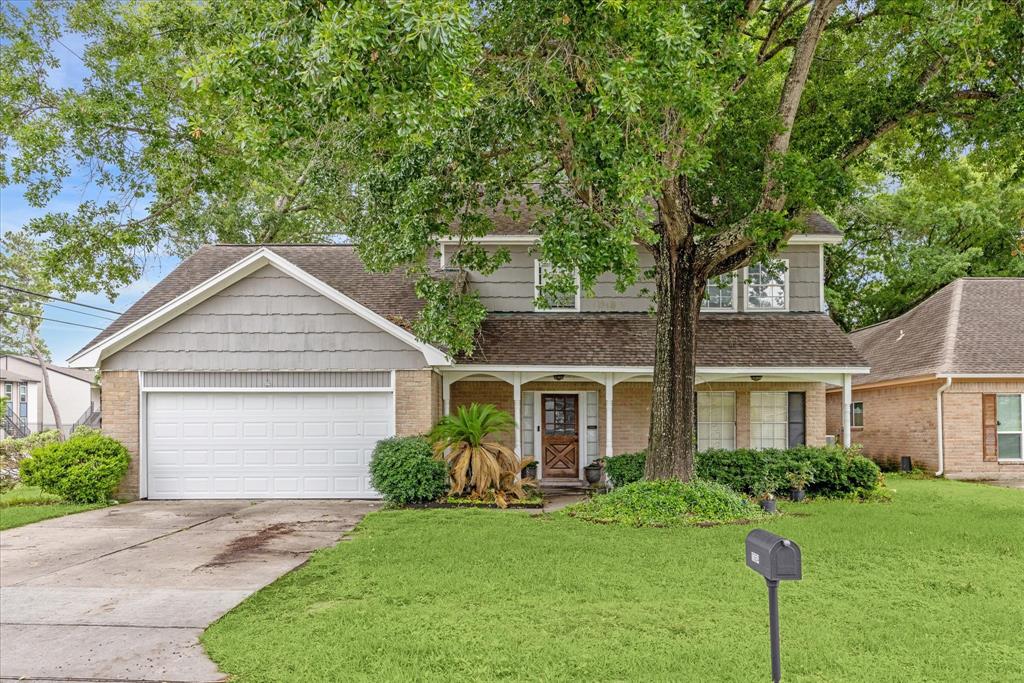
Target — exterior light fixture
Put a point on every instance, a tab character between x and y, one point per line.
757	378
559	378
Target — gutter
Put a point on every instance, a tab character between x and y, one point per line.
938	409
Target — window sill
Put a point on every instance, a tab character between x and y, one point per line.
1015	461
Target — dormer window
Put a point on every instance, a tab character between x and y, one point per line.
767	288
720	294
564	302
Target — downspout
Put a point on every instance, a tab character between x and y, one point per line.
938	410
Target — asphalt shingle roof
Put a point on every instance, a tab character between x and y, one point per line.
972	325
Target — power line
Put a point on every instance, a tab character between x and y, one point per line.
70	310
50	320
55	298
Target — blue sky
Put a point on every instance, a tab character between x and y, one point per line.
15	212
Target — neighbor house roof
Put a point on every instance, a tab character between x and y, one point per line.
970	326
77	373
11	376
783	340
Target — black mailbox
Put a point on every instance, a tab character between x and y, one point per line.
773	557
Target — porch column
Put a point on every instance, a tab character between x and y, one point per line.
847	403
446	395
609	388
517	403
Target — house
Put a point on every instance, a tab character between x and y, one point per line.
74	390
946	386
272	371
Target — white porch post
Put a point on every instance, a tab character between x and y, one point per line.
517	402
609	387
847	403
446	395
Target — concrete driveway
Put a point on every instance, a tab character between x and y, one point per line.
122	594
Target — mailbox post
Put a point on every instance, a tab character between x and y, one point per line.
776	559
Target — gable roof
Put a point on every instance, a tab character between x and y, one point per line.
970	326
729	340
76	373
335	271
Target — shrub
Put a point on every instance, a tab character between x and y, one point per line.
667	502
13	451
83	469
830	470
626	468
404	470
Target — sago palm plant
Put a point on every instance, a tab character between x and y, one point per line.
475	461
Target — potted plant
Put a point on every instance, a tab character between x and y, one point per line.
593	471
798	481
764	492
530	469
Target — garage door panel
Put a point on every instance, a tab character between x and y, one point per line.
287	445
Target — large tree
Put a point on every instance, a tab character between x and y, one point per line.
698	130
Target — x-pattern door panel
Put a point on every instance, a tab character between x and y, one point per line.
560	435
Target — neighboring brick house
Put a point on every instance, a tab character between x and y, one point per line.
272	371
947	383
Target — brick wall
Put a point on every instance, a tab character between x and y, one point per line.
814	406
120	414
962	431
417	401
898	420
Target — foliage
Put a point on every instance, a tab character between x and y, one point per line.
825	471
404	470
83	469
952	220
13	451
486	468
666	502
534	500
625	468
27	495
800	476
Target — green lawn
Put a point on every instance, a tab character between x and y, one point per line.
27	504
929	587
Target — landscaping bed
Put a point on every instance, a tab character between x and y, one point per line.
919	589
453	503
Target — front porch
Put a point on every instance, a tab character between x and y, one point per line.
569	417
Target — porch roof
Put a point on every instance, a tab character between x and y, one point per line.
784	340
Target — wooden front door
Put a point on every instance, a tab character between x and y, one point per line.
560	435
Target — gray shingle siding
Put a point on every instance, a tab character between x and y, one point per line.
268	321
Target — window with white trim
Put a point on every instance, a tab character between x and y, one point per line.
567	301
857	414
1010	426
720	294
769	419
767	288
716	420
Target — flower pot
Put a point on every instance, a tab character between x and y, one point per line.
770	506
530	471
592	473
796	495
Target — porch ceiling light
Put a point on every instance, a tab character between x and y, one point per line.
757	378
559	378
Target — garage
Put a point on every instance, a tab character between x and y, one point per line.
263	444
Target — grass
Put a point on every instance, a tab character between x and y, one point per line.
27	504
925	588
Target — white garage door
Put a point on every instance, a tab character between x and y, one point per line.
264	445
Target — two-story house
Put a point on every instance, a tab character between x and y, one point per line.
272	371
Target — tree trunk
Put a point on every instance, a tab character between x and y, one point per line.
46	381
680	290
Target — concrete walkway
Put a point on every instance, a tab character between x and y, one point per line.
123	593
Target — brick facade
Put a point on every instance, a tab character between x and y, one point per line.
417	401
900	419
120	415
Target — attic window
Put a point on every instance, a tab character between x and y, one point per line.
767	288
542	271
720	294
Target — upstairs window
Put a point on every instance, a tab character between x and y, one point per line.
767	289
720	294
569	301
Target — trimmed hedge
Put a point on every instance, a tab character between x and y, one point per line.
404	470
626	468
837	471
84	469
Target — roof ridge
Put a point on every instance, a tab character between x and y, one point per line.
952	326
279	244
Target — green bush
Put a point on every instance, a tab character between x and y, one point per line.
404	470
13	451
626	468
834	471
83	469
667	502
